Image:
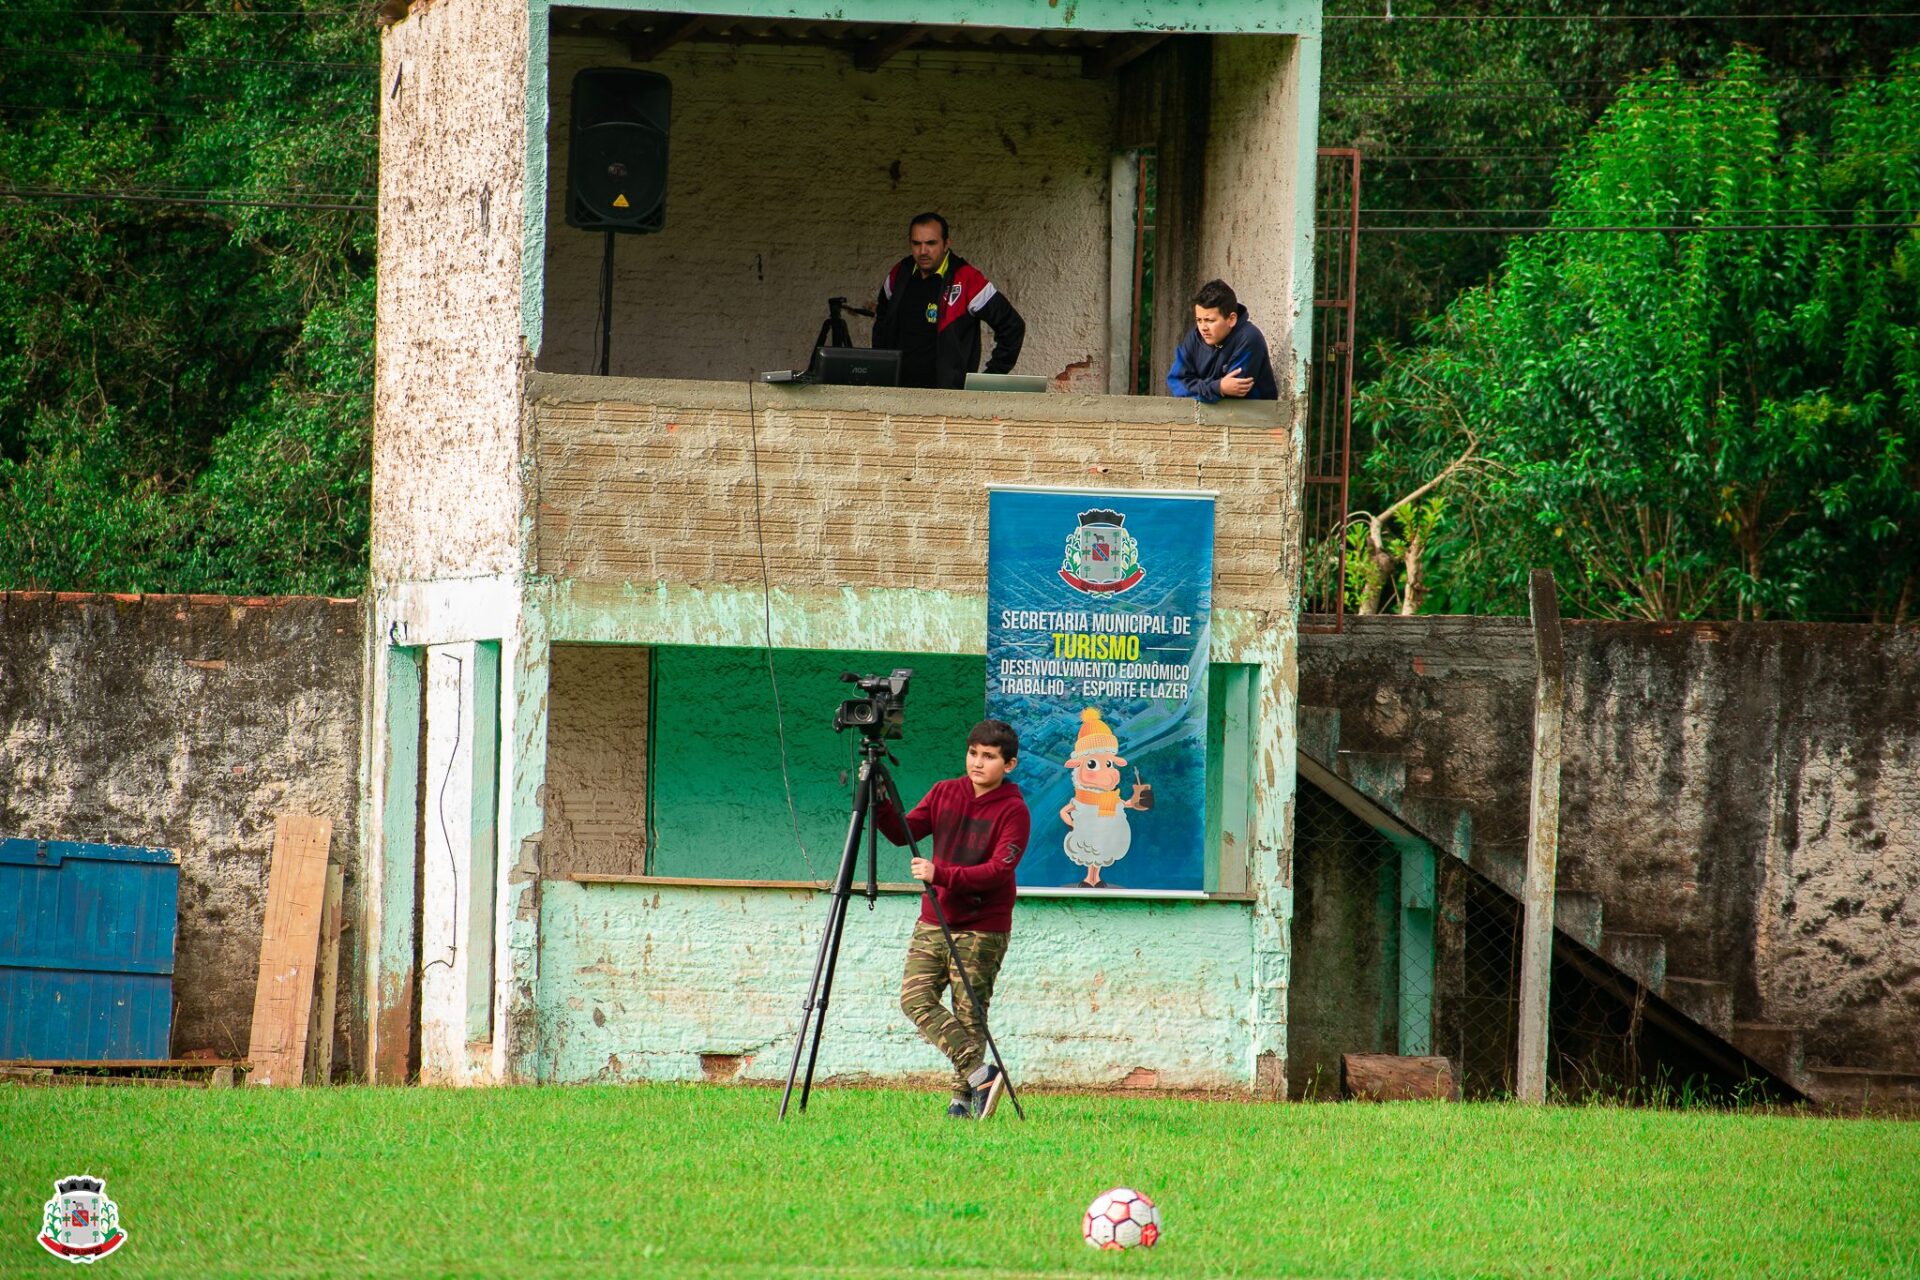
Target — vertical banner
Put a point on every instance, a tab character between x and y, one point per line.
1098	605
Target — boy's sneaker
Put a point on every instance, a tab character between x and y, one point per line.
960	1109
988	1082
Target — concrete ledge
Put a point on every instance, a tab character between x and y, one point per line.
573	388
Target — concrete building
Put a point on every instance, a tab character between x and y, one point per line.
607	612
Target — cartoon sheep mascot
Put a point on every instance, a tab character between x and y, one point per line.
1096	817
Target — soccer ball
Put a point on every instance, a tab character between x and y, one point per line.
1121	1219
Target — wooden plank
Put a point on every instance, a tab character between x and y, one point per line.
326	989
283	992
1389	1077
1543	839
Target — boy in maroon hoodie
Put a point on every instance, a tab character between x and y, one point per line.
979	826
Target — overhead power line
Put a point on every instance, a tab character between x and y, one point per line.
1390	16
341	203
1670	229
117	55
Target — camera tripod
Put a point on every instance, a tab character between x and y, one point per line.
875	785
833	330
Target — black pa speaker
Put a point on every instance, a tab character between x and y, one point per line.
617	169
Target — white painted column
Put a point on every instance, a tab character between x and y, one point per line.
447	861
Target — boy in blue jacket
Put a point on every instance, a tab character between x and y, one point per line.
1223	355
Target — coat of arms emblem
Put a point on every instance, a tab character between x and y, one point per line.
1102	557
82	1225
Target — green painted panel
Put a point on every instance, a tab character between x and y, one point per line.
1230	751
719	798
484	838
399	856
1416	946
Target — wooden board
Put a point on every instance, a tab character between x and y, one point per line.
326	988
283	993
1387	1077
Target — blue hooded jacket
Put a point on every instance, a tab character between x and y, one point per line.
1198	368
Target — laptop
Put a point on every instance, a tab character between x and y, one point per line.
1033	382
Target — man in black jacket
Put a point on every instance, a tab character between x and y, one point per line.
931	307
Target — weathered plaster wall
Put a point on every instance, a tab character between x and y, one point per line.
447	354
189	723
1164	106
1247	211
791	179
1748	792
656	481
676	983
1227	118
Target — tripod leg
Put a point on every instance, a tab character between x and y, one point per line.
807	1007
836	926
885	779
814	1009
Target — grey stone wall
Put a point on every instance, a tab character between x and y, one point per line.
188	723
1748	792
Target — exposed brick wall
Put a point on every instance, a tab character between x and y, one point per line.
447	357
596	790
791	178
659	484
188	722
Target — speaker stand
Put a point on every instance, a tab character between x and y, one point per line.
606	306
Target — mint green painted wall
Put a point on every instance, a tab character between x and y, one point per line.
647	978
718	801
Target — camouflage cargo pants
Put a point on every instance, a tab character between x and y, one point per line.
959	1033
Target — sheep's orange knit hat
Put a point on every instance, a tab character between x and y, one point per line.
1094	736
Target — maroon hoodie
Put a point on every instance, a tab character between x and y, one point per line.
977	843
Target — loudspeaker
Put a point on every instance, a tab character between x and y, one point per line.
617	170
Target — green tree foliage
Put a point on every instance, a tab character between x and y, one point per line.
1462	122
1720	420
186	369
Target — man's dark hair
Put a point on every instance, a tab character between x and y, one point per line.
998	734
921	219
1217	295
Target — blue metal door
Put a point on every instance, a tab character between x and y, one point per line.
86	950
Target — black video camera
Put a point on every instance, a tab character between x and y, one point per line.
883	712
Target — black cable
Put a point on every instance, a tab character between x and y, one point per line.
766	616
453	865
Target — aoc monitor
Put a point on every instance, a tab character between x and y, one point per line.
856	366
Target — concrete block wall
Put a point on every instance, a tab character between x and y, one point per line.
189	722
791	179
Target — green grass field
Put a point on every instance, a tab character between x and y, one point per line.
691	1181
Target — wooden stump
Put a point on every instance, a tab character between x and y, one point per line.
1387	1077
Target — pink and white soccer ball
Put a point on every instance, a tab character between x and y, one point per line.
1121	1219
